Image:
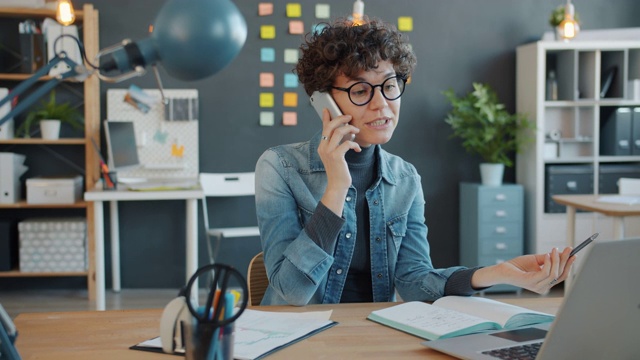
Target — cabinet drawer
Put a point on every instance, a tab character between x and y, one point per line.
501	213
500	195
488	260
499	229
499	247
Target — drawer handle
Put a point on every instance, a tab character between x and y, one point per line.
501	197
501	213
501	230
501	246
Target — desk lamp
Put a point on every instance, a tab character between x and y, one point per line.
192	39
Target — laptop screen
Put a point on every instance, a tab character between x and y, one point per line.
121	145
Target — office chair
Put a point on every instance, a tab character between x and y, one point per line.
225	185
257	280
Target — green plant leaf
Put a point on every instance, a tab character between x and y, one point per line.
51	110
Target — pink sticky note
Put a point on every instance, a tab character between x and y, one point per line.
265	9
266	79
296	27
290	118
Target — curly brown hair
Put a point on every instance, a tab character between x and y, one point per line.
341	48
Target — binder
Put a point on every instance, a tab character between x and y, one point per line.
615	133
6	129
33	51
635	132
11	168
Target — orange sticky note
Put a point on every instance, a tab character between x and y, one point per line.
266	100
405	23
294	10
290	118
296	27
266	79
267	32
290	99
265	9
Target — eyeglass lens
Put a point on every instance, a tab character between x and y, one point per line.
361	93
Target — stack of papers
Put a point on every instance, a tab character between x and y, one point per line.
620	199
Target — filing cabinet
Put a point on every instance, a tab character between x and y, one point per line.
491	226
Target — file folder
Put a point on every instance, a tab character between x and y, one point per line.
635	132
11	168
615	133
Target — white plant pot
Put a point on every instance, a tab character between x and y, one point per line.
50	129
491	174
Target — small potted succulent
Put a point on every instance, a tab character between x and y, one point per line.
50	115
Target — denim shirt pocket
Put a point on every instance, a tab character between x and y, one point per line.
397	229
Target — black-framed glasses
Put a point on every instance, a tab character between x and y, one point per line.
362	92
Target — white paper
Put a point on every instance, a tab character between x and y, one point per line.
627	200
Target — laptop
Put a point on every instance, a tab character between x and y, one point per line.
598	319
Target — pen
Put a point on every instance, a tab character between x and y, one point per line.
583	244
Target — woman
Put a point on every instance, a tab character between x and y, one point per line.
343	221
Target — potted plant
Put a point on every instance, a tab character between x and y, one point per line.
50	115
487	129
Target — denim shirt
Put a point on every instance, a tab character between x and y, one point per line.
290	181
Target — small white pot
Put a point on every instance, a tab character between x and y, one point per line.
50	129
491	174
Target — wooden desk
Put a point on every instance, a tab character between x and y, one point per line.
100	335
99	196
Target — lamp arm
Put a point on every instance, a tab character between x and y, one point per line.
76	70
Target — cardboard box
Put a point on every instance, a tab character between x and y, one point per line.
44	190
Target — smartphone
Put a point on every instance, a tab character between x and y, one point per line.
321	100
583	244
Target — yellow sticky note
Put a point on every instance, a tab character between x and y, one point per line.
266	100
266	79
265	9
294	10
405	23
289	118
267	32
290	99
323	11
296	27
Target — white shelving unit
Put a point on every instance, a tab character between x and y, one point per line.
568	127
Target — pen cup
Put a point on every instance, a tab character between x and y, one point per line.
205	341
109	180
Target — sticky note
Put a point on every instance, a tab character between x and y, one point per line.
266	100
290	56
317	28
267	32
290	81
267	54
405	23
290	99
296	27
323	11
294	10
290	118
267	118
266	79
265	9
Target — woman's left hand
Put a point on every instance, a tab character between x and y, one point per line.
537	273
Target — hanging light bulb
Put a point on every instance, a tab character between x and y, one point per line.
357	16
569	27
65	13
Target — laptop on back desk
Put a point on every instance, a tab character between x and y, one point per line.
599	317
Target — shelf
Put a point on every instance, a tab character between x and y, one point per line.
39	141
18	273
34	13
23	205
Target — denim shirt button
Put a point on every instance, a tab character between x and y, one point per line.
375	202
348	235
378	239
348	198
339	271
379	276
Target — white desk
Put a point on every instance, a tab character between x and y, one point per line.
113	196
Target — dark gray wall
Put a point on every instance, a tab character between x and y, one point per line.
456	41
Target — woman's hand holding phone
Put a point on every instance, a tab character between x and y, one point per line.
323	100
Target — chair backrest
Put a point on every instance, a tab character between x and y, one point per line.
257	280
228	184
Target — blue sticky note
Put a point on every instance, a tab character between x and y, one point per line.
290	81
267	54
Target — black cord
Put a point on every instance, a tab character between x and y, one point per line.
80	46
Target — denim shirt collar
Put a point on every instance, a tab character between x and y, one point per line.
384	170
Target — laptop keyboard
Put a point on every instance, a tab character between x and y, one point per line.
520	352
